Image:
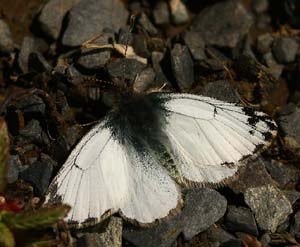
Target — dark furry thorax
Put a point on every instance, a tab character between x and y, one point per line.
136	116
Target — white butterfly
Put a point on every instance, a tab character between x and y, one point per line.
133	160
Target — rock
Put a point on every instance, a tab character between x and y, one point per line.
125	68
288	120
147	25
161	14
52	15
218	235
39	173
182	66
282	173
265	239
270	206
295	227
195	44
274	68
232	243
37	63
144	80
59	149
125	37
292	195
111	237
260	6
285	49
179	13
6	41
156	58
30	45
34	133
14	167
264	43
90	17
240	219
95	58
219	28
31	106
253	169
203	207
221	90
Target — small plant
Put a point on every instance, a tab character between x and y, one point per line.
12	218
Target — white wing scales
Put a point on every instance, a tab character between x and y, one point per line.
101	177
207	134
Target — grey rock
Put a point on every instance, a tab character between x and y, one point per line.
94	58
34	132
264	43
218	235
111	237
263	21
260	6
288	120
282	173
156	58
285	49
123	67
232	243
37	63
218	27
125	37
195	44
295	227
39	173
6	41
221	90
270	206
59	149
182	66
292	195
179	13
90	17
31	105
203	207
144	80
265	239
147	25
52	15
253	169
14	167
274	68
240	219
161	13
29	46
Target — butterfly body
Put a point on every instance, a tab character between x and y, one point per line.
134	160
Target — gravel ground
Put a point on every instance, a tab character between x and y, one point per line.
237	51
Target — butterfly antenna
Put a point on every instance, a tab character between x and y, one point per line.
131	26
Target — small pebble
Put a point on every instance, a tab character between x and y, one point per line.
195	44
179	13
264	43
240	219
39	173
182	66
52	15
147	25
285	49
6	41
270	206
224	29
34	133
161	13
260	6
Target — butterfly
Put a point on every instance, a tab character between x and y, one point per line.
137	158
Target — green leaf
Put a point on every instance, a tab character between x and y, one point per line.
4	149
6	236
40	218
